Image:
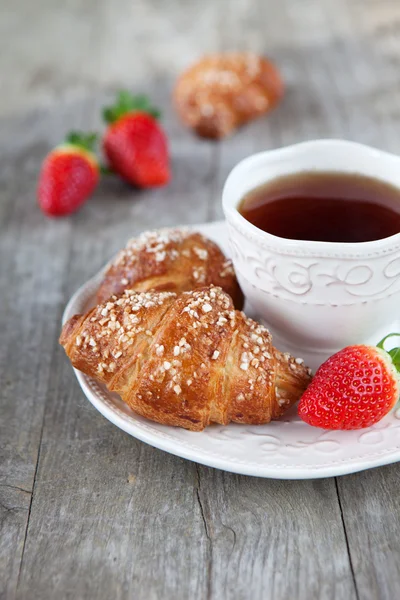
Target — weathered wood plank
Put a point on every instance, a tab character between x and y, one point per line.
31	298
274	539
372	518
113	518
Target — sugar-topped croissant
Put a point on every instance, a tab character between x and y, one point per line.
187	360
174	260
223	91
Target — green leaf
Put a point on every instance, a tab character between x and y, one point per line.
82	139
108	115
394	353
154	113
127	103
124	98
105	170
389	335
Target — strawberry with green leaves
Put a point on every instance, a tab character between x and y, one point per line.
134	143
354	388
69	175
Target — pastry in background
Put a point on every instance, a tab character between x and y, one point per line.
175	260
186	360
220	92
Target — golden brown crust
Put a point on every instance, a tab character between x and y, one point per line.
223	91
187	360
175	260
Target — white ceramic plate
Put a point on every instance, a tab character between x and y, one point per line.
285	449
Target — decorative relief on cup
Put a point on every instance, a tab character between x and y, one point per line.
357	275
297	282
362	280
338	278
351	279
392	269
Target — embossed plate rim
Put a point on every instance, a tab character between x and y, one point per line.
260	463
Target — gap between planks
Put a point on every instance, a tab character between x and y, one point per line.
347	541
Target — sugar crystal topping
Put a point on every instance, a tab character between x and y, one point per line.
166	246
224	72
163	244
120	319
227	269
155	242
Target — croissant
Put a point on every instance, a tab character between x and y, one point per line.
223	91
175	260
186	360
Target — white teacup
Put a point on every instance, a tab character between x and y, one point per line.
316	297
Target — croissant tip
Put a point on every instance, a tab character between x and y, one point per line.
293	377
68	329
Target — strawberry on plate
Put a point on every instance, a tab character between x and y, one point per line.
69	175
354	388
134	143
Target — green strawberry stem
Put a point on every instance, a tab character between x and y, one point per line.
127	103
394	352
87	141
105	170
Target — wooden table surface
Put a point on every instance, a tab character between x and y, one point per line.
86	511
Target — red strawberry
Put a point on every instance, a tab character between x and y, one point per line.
68	176
354	388
134	143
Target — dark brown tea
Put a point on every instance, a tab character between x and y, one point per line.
326	207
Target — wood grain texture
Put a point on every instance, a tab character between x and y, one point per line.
85	510
370	506
31	297
274	539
